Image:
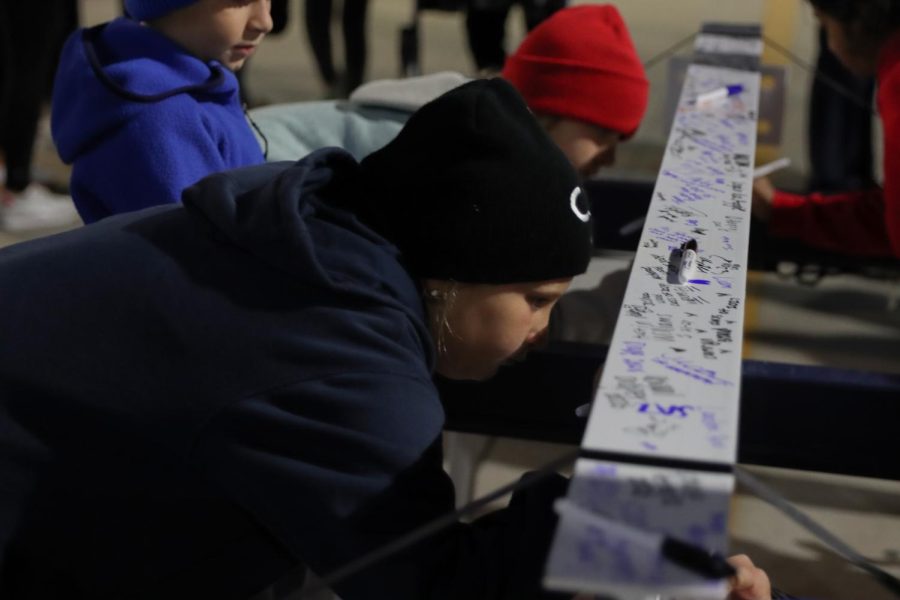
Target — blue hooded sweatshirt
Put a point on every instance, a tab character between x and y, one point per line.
140	119
195	398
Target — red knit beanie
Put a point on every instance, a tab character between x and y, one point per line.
581	64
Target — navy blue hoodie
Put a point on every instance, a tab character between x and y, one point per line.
193	399
140	119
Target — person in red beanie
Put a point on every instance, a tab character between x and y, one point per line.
580	73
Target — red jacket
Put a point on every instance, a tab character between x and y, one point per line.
861	223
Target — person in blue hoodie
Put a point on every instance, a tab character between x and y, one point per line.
145	106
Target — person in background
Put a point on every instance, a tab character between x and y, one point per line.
865	36
30	33
145	106
486	27
353	26
581	75
839	126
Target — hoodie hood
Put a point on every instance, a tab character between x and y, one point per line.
107	72
290	216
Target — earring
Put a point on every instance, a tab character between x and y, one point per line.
436	295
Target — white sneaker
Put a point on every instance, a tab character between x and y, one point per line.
36	207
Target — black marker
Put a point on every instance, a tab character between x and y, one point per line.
688	556
695	559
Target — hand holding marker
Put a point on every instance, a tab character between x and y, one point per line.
687	556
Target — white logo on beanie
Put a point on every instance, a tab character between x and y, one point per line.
583	214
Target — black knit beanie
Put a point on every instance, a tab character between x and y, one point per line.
473	190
